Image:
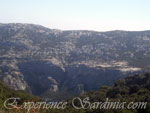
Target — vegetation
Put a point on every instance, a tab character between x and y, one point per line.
6	93
131	89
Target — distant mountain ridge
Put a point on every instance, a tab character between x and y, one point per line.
38	59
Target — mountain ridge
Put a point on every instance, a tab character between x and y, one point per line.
56	60
73	29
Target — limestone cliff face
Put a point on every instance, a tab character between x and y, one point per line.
38	59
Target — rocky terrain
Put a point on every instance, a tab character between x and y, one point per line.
40	60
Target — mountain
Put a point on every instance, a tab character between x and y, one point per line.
40	60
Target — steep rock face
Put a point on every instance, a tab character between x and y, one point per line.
38	59
42	75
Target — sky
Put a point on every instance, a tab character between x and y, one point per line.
98	15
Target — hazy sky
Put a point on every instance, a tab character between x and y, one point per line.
100	15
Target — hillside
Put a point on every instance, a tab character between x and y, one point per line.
132	89
7	93
40	60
